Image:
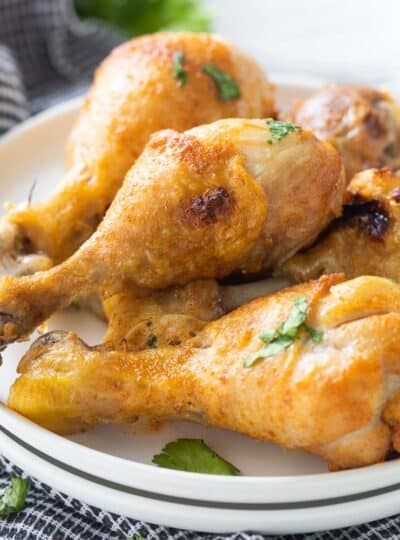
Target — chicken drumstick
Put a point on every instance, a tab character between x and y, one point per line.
337	397
365	240
136	92
141	319
363	124
195	205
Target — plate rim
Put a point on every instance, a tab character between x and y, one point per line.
246	490
208	518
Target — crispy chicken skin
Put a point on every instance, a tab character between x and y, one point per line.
134	94
195	205
365	240
338	399
139	319
361	122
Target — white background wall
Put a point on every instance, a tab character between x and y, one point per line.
347	40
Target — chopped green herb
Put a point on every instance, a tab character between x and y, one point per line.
193	455
316	335
279	129
178	68
286	333
397	172
268	335
227	87
152	341
13	498
296	317
275	347
136	537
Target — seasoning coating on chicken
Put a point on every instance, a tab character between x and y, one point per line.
361	122
135	93
145	319
195	205
141	319
338	398
365	240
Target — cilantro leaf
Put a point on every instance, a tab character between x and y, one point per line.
179	70
296	317
279	129
13	498
316	335
275	347
269	335
152	341
227	87
193	455
280	339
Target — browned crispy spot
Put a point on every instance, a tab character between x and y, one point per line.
374	125
395	195
370	216
205	209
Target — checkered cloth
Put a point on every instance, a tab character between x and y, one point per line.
51	515
46	54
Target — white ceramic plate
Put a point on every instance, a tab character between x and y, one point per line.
110	467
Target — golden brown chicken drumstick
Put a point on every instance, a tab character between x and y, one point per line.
195	205
336	395
147	84
141	319
362	123
365	240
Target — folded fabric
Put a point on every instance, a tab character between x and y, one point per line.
46	55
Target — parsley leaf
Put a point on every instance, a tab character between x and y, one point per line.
276	346
316	335
286	333
179	70
296	317
13	498
227	87
152	341
279	129
193	455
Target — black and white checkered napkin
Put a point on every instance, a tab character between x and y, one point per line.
46	54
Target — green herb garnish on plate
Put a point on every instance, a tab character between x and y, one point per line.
13	498
193	455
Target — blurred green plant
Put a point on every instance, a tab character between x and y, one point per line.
134	17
